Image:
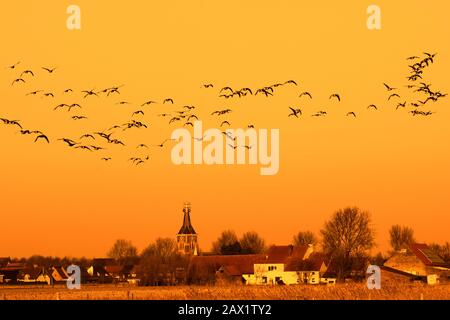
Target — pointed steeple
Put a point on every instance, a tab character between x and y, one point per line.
187	227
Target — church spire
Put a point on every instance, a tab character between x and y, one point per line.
187	227
187	237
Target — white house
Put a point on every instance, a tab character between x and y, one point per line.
289	265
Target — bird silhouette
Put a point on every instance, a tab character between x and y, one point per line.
226	89
393	95
33	93
73	105
335	95
42	136
68	90
69	142
372	106
27	72
49	70
14	65
89	93
351	113
88	135
224	123
106	159
208	85
168	100
18	80
401	105
291	82
49	94
295	112
79	117
147	103
11	122
137	113
164	142
306	93
388	87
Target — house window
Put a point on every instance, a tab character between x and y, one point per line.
264	279
271	268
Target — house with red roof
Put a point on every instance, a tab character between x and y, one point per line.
289	265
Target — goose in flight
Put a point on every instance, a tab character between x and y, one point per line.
291	82
401	105
88	135
335	95
208	85
388	87
89	93
11	122
306	93
14	65
27	72
164	142
69	142
42	136
351	113
226	89
18	80
295	112
33	93
372	106
137	113
168	100
49	70
79	117
225	123
393	95
147	103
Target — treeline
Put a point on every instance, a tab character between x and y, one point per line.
347	239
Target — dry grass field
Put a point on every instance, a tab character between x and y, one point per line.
350	291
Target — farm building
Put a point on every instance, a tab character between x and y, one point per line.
281	265
418	261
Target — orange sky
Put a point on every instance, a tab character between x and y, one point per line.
58	201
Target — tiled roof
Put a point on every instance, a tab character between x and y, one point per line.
426	255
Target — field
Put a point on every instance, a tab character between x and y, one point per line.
349	291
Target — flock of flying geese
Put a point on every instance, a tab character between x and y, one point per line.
421	92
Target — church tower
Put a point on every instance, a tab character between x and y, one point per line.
186	237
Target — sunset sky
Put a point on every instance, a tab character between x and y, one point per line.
59	201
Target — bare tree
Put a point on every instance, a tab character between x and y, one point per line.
160	262
304	238
122	251
346	239
442	250
227	243
401	237
251	243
